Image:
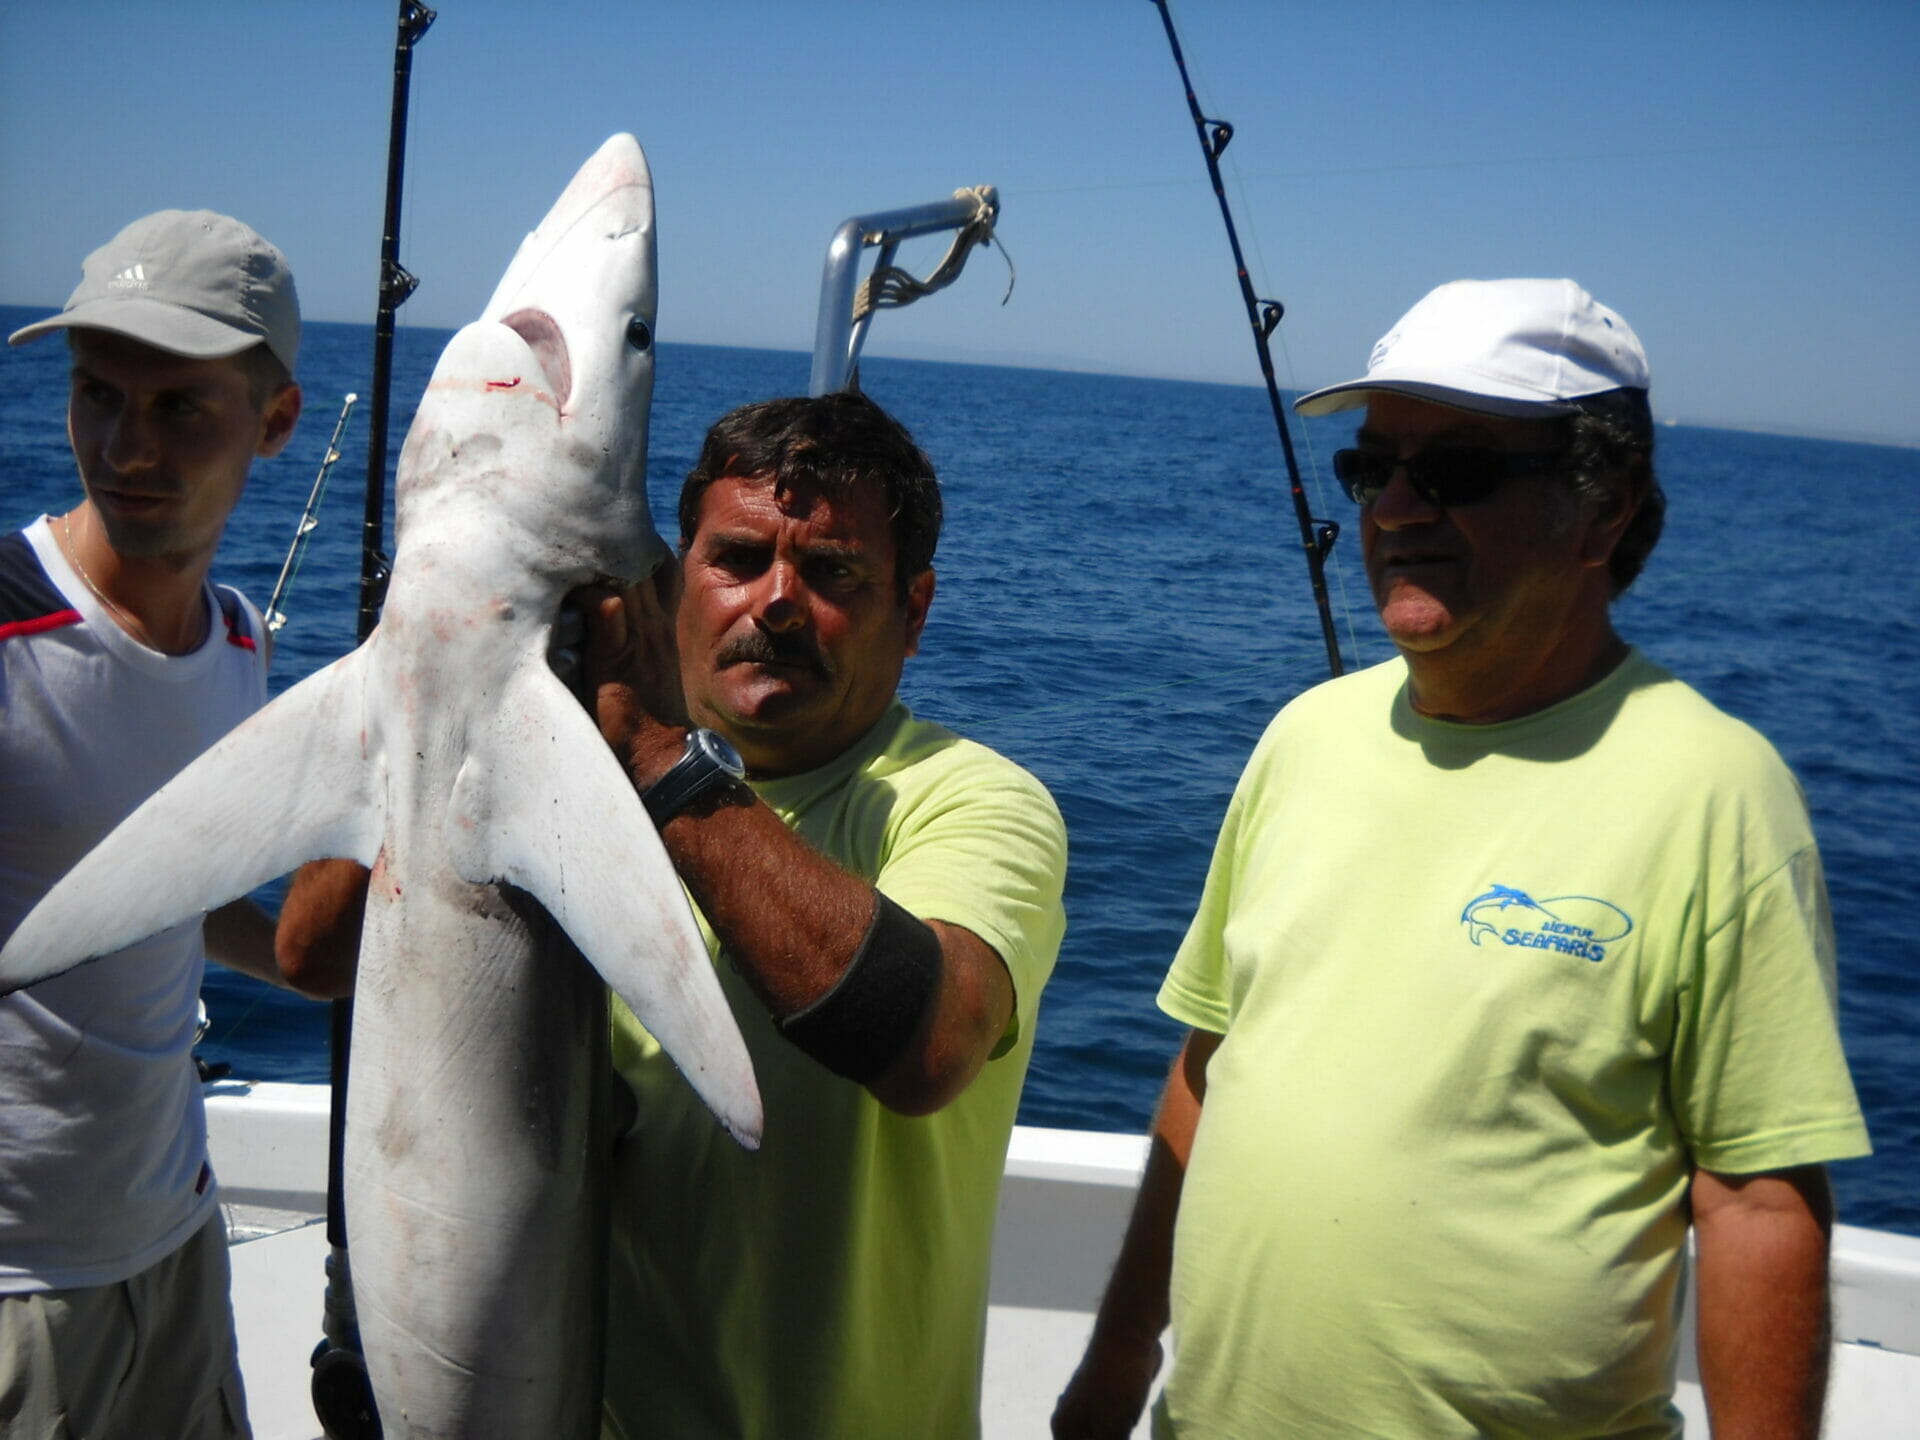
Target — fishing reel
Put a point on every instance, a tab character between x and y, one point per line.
342	1393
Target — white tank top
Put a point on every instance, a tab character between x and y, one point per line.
102	1134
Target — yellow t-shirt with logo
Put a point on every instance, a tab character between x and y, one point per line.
835	1283
1489	994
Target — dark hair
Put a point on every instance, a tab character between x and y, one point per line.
1613	435
837	443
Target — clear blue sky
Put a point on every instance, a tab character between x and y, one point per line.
1740	180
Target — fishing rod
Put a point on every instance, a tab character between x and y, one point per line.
342	1393
1316	535
309	522
396	285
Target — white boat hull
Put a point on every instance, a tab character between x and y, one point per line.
1062	1209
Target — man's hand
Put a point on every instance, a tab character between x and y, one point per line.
1108	1393
633	670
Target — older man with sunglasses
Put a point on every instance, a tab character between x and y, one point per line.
1514	962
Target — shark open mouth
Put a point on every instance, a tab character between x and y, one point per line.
549	347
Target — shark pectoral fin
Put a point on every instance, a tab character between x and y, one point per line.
542	804
289	784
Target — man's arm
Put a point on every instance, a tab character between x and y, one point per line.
241	936
1104	1398
316	941
1761	1268
791	919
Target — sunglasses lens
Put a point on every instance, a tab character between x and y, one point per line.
1458	475
1363	474
1448	476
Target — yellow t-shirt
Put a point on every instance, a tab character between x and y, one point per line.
1489	993
835	1283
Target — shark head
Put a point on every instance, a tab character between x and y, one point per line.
543	400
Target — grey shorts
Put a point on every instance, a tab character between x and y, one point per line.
151	1356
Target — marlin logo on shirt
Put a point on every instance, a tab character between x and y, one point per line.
1577	925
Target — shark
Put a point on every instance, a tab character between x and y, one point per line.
515	874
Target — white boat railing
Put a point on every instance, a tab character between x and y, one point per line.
1063	1207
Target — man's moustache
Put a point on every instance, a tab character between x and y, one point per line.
759	648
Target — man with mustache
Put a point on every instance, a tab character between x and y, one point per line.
119	663
1513	965
885	900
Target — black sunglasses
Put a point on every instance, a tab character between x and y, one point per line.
1448	476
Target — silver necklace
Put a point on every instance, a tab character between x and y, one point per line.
131	624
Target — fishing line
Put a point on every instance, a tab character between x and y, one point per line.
260	993
1405	167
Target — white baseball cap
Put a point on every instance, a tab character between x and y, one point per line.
1520	348
190	282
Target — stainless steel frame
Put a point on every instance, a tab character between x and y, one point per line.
836	339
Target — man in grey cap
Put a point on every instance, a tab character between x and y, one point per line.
120	662
1513	963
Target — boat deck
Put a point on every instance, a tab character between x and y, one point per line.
1062	1210
278	1280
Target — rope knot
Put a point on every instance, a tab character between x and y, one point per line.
890	288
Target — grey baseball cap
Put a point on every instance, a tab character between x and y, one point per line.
190	282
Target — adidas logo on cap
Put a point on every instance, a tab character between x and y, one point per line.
134	277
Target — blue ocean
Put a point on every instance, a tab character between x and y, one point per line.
1122	607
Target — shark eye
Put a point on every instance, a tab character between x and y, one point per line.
639	335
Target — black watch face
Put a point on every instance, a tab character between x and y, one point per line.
716	749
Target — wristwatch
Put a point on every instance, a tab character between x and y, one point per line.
707	764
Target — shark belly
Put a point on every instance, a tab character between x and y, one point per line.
476	1166
477	1143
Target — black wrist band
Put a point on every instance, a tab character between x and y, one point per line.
861	1026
